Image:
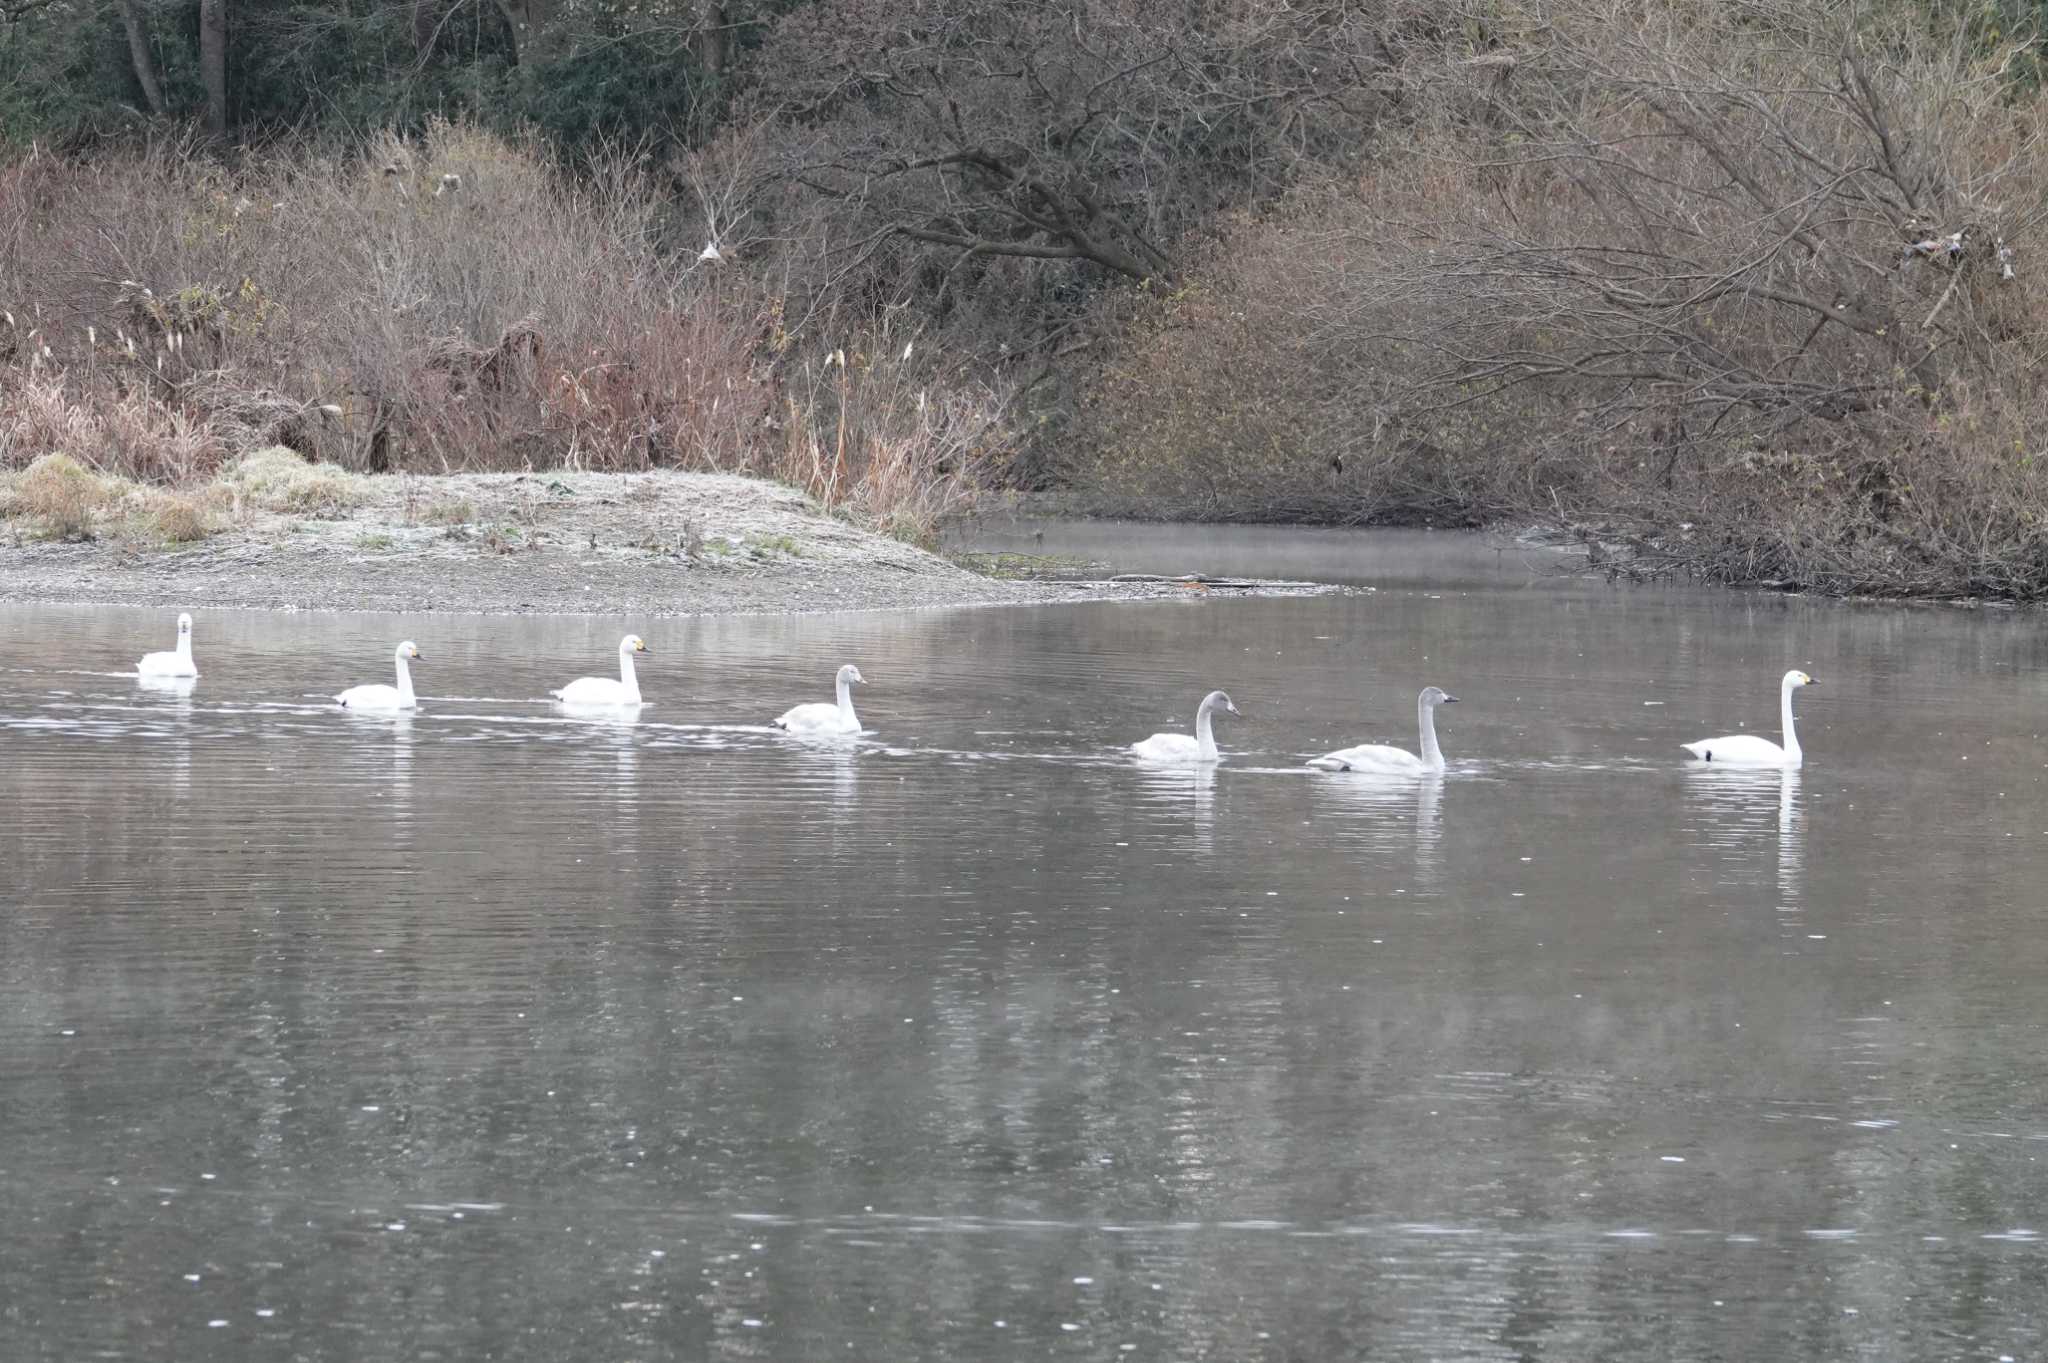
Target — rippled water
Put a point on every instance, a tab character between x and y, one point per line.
490	1033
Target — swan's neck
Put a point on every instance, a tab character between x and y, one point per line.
1205	736
1425	719
845	693
404	681
1785	713
184	649
626	677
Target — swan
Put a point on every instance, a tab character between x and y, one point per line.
1378	757
603	690
377	697
1181	748
820	718
1747	750
178	662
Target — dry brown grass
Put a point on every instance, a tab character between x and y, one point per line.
61	495
525	320
871	430
179	517
278	479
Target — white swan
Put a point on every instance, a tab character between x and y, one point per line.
1379	757
379	697
178	662
1181	748
1747	750
603	690
820	718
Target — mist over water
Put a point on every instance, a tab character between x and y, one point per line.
492	1032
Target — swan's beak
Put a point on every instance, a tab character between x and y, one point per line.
1450	700
1812	681
645	649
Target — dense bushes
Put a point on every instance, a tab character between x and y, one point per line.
1764	310
447	303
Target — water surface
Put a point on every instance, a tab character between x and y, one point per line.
493	1033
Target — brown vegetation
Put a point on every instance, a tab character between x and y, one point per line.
163	321
61	495
1743	291
1746	290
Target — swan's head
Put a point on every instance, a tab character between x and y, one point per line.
409	649
850	673
1436	695
632	643
1220	700
184	624
1797	678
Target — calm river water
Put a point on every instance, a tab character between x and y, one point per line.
495	1034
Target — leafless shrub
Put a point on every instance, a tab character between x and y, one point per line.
1745	292
899	441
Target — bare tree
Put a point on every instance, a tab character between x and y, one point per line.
1693	241
1072	130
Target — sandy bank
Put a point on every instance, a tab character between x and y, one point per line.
655	544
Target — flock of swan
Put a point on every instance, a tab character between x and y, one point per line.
1735	750
585	693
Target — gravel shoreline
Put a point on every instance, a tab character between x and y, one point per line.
558	543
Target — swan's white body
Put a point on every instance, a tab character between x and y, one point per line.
1391	761
379	697
176	663
1180	747
820	718
1747	750
603	690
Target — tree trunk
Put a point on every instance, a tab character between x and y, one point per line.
143	59
213	64
711	38
511	29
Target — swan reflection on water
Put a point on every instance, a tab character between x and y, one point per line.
172	686
1390	800
1737	807
177	692
1186	787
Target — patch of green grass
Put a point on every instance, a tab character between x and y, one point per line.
450	511
1025	567
374	540
763	546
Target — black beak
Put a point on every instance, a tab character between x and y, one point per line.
1450	700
